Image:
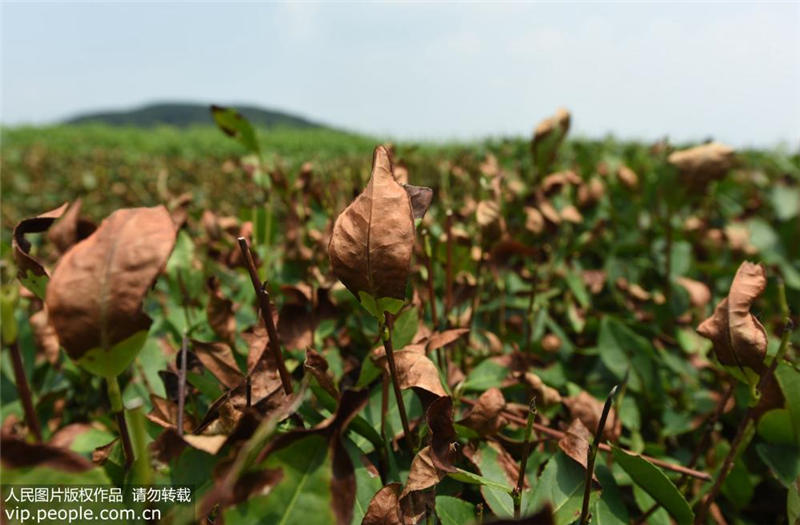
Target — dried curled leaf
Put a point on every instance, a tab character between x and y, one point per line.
534	220
219	311
384	508
628	177
423	475
31	272
420	197
17	453
373	238
701	164
547	137
442	339
94	299
414	369
443	434
699	294
544	394
317	366
738	336
218	359
588	409
575	443
70	228
45	336
486	417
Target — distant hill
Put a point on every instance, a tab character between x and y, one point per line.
183	114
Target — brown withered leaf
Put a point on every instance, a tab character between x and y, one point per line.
101	453
739	338
588	409
17	453
414	369
296	326
165	414
94	299
257	341
594	280
420	197
219	311
559	179
442	339
373	238
210	444
545	395
551	343
440	420
487	213
31	272
549	212
179	209
575	443
699	294
218	359
547	137
628	177
571	214
534	220
70	228
701	164
486	417
316	365
384	508
64	436
422	476
45	336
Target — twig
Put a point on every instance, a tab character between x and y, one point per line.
115	398
266	313
401	406
448	290
516	494
750	415
182	383
712	421
24	391
557	434
591	456
428	250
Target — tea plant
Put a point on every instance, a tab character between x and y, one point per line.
528	337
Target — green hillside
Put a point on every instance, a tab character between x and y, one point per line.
188	114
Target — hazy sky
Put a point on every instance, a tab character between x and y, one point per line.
729	71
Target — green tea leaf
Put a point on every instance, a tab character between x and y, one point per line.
302	496
236	126
453	511
656	484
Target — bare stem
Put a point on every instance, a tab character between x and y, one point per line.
266	313
448	291
401	406
182	384
591	456
712	421
668	257
429	270
516	494
24	391
115	398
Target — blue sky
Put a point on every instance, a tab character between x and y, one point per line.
410	70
